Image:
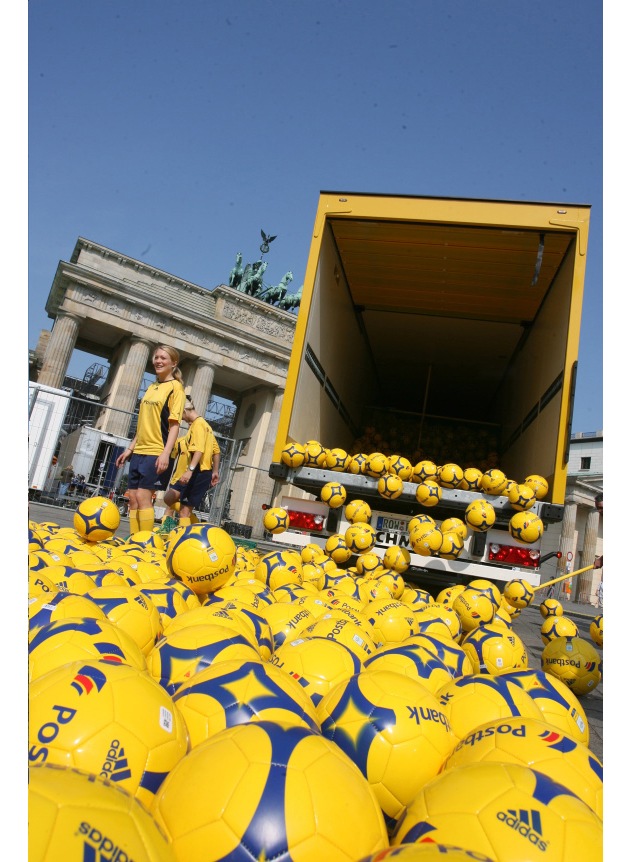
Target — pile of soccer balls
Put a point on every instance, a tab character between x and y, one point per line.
392	472
193	699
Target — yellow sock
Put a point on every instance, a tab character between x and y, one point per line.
146	519
184	522
134	527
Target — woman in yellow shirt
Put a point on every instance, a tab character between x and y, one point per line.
149	452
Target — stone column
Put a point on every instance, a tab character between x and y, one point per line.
262	486
59	350
588	581
124	392
567	543
201	387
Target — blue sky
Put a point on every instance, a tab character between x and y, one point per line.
174	132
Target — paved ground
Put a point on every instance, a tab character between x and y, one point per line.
527	625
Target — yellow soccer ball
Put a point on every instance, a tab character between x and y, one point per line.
393	621
526	527
376	465
427	542
318	664
357	464
471	480
333	494
315	454
493	481
448	651
424	470
473	608
539	745
81	638
521	496
203	557
293	454
419	523
551	608
360	537
487	588
337	459
497	805
276	520
358	511
232	692
480	515
557	627
134	613
398	749
539	484
38	582
413	660
494	649
111	720
286	620
428	493
341	628
574	661
397	558
401	466
96	519
450	475
477	698
70	802
181	653
264	790
44	608
559	706
452	545
596	630
439	619
390	486
449	524
518	593
337	549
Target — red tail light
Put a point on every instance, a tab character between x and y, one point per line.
305	521
513	556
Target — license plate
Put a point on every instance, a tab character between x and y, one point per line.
391	524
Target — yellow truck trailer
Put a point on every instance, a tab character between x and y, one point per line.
439	328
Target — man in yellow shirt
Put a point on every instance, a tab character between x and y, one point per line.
197	466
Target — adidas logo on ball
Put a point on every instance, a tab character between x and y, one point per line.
527	823
116	766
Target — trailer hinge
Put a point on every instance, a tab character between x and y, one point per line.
574	223
319	224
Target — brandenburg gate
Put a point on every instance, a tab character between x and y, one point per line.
229	342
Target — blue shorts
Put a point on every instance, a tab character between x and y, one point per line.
193	493
142	474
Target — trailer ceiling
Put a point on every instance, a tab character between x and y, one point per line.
473	272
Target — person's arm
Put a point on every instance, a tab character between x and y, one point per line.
215	469
124	456
184	479
162	460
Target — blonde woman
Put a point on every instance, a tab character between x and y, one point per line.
149	452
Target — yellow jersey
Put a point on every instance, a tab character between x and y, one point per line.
161	403
198	438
